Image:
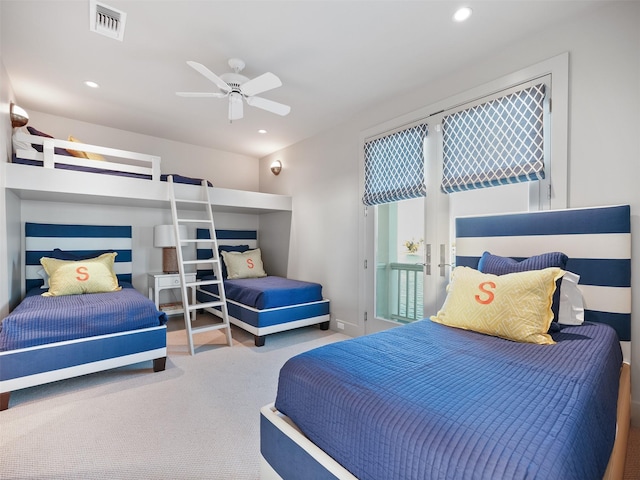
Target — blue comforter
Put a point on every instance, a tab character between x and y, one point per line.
41	320
269	292
427	401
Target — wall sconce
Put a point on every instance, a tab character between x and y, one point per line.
276	167
19	117
164	237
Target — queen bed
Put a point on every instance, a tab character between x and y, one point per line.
50	338
429	400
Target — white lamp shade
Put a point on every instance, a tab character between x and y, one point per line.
164	236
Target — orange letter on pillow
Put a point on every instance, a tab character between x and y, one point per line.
490	295
250	263
83	274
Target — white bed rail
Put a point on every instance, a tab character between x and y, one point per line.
126	162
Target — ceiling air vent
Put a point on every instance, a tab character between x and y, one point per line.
106	20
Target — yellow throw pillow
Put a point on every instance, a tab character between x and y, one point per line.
68	277
79	154
516	306
244	264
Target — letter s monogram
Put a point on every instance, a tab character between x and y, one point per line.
490	295
83	274
250	263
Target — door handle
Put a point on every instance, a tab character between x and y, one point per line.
427	264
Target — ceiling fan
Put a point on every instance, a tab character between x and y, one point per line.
238	87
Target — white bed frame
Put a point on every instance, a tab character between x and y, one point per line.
600	240
31	366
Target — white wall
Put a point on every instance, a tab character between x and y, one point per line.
322	175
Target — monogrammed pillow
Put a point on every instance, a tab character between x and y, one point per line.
69	277
515	306
244	264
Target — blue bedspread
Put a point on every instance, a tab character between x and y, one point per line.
270	292
41	320
427	401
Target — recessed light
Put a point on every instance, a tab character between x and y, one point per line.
262	130
462	14
91	84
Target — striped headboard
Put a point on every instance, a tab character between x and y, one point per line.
225	237
42	238
596	240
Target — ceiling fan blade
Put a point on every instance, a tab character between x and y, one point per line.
266	81
201	94
235	107
269	105
198	67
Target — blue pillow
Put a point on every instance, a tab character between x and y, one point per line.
39	148
503	265
64	255
225	248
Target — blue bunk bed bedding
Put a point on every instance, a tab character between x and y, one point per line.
42	320
63	166
426	400
268	292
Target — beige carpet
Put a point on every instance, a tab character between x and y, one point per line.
199	419
632	464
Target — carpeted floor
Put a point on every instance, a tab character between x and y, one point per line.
632	464
198	419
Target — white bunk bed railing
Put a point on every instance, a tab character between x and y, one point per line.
126	162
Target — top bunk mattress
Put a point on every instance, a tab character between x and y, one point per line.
269	292
429	401
39	320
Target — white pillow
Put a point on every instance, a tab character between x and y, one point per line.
45	276
20	144
244	264
571	310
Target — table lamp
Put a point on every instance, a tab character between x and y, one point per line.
164	237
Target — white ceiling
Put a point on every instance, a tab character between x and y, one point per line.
335	58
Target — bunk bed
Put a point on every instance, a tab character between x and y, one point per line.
264	304
430	400
50	338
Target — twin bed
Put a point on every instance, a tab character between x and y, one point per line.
428	400
263	305
46	339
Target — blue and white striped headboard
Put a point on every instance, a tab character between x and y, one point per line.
42	238
224	237
596	240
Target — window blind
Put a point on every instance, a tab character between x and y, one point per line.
394	166
495	143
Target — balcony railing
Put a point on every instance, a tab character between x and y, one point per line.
405	292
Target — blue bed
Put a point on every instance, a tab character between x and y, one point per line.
46	339
266	305
427	400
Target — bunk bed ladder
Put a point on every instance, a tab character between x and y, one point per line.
186	212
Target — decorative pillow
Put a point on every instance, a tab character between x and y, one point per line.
39	148
222	248
502	265
20	144
571	311
69	277
515	306
66	255
45	278
244	264
79	154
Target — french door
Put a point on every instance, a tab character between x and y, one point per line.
410	253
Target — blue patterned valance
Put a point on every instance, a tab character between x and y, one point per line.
394	167
495	143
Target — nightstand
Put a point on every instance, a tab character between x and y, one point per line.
165	281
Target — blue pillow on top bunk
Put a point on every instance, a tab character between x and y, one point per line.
503	265
39	148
